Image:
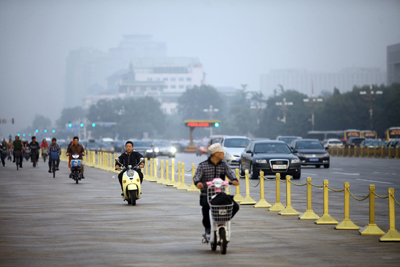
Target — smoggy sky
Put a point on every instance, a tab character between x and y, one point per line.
235	40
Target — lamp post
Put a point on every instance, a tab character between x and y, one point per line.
211	112
370	95
312	102
284	105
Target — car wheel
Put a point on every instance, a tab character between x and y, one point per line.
326	166
297	176
254	173
317	166
241	172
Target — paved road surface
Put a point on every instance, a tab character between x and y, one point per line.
55	222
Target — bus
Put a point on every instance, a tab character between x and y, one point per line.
392	133
368	134
351	133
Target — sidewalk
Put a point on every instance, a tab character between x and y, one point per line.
55	222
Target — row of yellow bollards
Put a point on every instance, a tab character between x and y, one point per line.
106	161
376	152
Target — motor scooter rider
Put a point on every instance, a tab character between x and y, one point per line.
34	145
54	147
76	149
130	157
3	151
18	146
207	170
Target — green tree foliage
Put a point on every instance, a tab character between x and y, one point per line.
192	102
41	122
70	115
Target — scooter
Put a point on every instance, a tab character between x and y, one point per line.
76	168
27	153
131	182
44	154
220	217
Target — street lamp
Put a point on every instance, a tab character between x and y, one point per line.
284	105
312	102
370	95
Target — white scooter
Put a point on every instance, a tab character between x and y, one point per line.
220	216
131	183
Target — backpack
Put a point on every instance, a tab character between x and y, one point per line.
222	199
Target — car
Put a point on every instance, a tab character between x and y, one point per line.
106	147
214	139
180	145
333	143
201	148
372	144
288	139
234	147
393	143
311	152
354	141
164	148
92	145
145	148
119	146
271	157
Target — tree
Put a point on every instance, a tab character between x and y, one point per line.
41	122
70	115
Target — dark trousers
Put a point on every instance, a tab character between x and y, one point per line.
3	157
20	159
206	208
51	162
122	174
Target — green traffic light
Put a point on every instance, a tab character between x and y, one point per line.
45	130
37	130
93	124
81	124
54	131
23	134
70	125
216	124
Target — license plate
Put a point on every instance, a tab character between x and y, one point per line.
313	159
279	166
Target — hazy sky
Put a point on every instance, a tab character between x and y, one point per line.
235	40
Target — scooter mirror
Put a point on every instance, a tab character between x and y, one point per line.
141	159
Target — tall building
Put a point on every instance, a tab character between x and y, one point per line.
302	80
393	64
88	66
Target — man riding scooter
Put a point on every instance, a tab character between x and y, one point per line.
35	147
207	170
76	149
130	157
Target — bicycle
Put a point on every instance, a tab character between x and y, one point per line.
17	155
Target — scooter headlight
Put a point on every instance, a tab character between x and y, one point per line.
218	183
130	173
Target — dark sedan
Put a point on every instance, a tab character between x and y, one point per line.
311	152
145	148
271	157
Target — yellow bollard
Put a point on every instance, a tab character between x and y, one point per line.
182	185
167	181
289	210
227	188
178	183
371	228
326	218
247	200
347	224
238	198
161	180
397	153
154	177
151	169
262	203
392	234
375	155
146	169
309	214
172	182
278	205
193	188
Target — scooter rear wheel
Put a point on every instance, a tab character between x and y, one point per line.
222	236
214	244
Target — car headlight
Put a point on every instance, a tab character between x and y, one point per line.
300	155
326	155
156	150
295	161
149	150
173	149
261	160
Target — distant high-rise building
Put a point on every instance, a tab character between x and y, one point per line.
301	80
393	64
88	66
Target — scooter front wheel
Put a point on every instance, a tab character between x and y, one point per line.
214	243
222	236
132	196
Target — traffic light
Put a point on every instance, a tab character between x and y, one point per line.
45	130
81	124
29	134
23	134
69	124
54	131
18	134
12	120
216	124
93	124
37	130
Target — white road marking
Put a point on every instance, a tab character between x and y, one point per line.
346	173
373	181
310	173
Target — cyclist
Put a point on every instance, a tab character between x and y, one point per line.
34	146
17	146
54	147
3	151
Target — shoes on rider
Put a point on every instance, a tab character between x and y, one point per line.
122	194
57	169
49	171
208	231
83	177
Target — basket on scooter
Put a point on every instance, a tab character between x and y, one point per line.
76	163
17	153
54	155
221	213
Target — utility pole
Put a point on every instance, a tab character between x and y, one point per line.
284	105
211	112
370	95
312	102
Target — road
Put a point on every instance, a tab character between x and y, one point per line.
55	222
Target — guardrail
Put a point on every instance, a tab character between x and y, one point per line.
376	152
106	161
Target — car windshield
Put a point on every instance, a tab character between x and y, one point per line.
162	143
271	148
309	145
287	139
92	144
335	142
238	142
107	145
141	144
